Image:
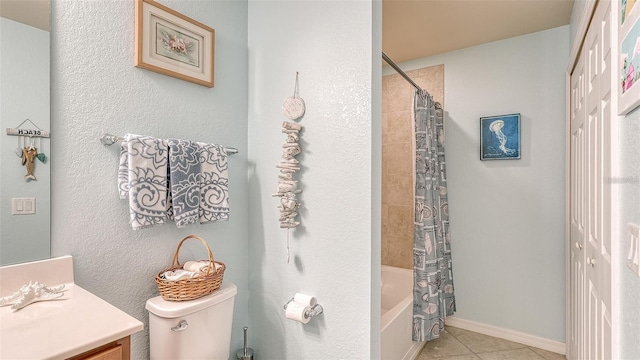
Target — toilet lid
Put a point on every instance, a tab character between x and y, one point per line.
173	309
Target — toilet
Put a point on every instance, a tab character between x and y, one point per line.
194	329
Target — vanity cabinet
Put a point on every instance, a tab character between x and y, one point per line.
80	326
117	350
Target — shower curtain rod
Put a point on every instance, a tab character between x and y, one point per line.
399	71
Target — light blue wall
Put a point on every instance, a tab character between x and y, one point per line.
24	94
507	217
335	46
96	89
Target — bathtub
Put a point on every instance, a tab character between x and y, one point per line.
396	316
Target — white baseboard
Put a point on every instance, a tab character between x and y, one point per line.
511	335
413	353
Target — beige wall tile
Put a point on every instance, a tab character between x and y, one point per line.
385	126
399	96
411	73
385	224
397	190
388	80
397	161
398	256
399	127
400	221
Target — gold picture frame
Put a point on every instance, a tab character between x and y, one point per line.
173	44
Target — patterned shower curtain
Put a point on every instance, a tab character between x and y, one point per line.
433	297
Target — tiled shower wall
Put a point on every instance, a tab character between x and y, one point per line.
397	160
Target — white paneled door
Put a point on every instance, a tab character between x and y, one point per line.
577	210
590	196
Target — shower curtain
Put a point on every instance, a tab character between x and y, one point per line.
433	297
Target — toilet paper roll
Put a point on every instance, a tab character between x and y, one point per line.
305	299
298	312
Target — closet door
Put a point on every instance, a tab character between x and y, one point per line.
598	244
577	210
590	208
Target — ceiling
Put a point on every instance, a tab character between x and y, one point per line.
411	29
31	12
414	29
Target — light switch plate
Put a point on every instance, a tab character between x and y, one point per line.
23	206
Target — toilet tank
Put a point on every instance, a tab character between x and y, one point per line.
194	329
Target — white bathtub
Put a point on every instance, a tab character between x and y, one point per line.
396	317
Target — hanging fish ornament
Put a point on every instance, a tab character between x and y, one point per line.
29	154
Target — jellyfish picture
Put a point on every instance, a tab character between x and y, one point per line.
496	128
500	137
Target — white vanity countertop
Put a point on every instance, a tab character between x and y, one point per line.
58	329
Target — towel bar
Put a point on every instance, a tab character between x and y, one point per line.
109	139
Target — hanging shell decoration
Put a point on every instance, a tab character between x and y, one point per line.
287	184
29	155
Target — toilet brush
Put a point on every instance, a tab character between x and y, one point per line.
246	353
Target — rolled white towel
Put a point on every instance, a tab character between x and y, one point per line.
179	274
201	267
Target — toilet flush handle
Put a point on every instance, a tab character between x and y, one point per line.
182	325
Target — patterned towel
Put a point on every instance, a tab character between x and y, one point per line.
147	180
184	167
123	171
214	183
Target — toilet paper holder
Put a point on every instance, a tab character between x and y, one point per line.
314	311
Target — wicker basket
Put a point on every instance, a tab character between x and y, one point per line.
189	289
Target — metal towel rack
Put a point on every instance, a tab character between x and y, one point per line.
108	140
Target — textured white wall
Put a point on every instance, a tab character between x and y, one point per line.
629	192
24	94
96	89
376	178
507	217
331	44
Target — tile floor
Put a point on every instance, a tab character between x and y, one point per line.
458	344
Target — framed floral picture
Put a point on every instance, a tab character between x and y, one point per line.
629	67
500	137
172	44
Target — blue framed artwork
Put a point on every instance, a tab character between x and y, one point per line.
500	137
